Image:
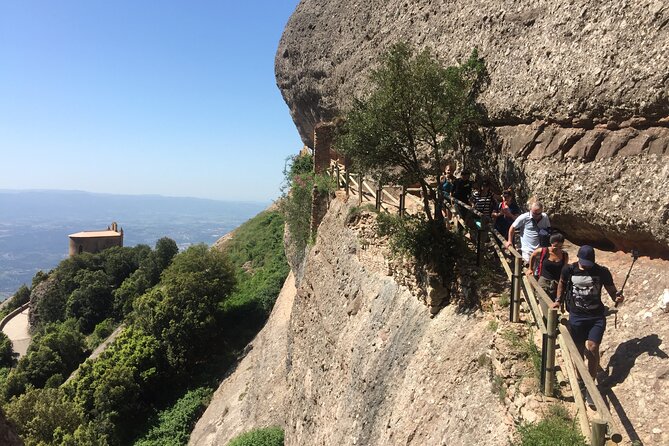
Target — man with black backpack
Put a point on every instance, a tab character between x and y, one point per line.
581	288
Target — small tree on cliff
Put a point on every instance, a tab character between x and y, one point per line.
417	111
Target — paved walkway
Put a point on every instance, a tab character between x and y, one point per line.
17	331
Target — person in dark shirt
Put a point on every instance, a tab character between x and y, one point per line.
582	283
506	213
462	190
548	263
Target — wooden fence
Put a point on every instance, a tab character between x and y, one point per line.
524	290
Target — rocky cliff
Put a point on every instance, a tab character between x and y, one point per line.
351	357
578	104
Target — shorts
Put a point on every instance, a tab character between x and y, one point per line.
587	330
549	286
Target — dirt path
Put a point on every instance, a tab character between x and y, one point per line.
17	331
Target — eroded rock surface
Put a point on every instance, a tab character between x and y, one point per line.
360	361
578	103
571	61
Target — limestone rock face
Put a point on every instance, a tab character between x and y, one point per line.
353	358
578	103
572	61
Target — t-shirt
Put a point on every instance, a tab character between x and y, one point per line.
503	223
462	189
585	301
529	232
447	188
484	204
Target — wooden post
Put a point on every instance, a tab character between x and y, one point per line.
480	232
517	275
379	198
551	328
598	432
346	182
338	176
362	179
403	202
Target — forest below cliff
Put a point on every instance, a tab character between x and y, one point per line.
184	317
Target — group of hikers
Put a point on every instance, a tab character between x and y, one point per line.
576	285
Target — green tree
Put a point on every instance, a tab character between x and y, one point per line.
417	111
56	350
42	416
91	302
119	263
183	312
7	355
166	249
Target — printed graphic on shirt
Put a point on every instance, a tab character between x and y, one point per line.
587	292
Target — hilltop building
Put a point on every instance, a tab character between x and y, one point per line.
96	241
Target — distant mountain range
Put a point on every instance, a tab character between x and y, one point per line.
34	224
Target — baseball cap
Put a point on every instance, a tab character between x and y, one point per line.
586	255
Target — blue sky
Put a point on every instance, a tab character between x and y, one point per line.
174	98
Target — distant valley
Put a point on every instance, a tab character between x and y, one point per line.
34	225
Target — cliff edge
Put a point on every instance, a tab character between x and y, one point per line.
356	359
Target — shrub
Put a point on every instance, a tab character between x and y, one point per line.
297	199
270	436
429	244
175	424
43	416
557	429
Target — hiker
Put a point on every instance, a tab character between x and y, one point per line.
548	263
447	183
506	213
580	287
483	199
462	187
534	227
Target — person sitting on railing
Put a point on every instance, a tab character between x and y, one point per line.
548	263
580	287
506	213
533	227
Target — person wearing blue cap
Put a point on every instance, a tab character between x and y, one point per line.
580	287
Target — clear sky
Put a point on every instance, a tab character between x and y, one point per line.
166	97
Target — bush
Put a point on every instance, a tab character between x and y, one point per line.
430	244
557	429
175	424
270	436
297	199
43	416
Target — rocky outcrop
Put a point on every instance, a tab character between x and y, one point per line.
601	187
575	62
357	359
577	107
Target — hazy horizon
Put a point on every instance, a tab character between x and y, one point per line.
34	225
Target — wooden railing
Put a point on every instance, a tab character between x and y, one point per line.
524	288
